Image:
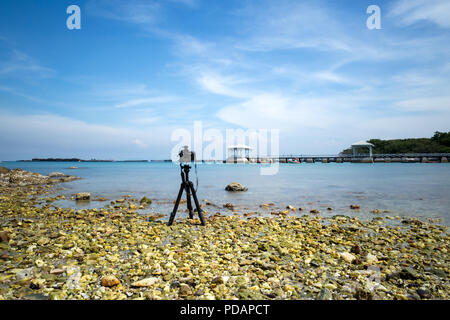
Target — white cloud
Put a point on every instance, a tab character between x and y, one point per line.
412	11
140	144
425	104
221	85
144	101
274	111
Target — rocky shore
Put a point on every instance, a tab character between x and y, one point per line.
47	252
20	178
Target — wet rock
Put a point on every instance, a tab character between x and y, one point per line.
21	178
289	207
36	284
229	206
354	206
355	249
83	196
145	201
409	273
362	294
100	199
325	294
4	170
56	175
235	187
438	272
413	296
314	211
109	281
423	293
72	168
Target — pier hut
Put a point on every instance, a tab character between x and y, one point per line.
361	144
238	154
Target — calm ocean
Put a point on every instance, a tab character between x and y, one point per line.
405	189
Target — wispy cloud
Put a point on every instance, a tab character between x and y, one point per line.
215	83
145	13
144	101
18	63
425	104
412	11
21	94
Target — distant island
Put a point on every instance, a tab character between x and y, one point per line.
75	160
438	143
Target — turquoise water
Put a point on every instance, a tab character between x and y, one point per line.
405	189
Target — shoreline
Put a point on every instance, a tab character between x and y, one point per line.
116	253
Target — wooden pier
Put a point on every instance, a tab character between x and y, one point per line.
341	158
366	158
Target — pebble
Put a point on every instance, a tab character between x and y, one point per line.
325	294
110	281
185	290
371	259
147	282
347	256
409	273
355	249
423	293
4	236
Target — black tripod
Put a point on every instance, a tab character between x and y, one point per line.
188	186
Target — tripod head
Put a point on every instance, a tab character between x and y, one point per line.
186	156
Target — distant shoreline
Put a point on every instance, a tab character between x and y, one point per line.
77	160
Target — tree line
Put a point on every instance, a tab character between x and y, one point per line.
438	143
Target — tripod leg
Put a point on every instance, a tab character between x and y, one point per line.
199	210
177	203
188	200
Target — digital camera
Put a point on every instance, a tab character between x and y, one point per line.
186	155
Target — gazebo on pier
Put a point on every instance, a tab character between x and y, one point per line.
238	154
361	144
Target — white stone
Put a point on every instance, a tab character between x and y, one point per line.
347	256
148	282
370	258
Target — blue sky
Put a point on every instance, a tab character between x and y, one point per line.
139	69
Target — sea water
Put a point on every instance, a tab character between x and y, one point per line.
419	190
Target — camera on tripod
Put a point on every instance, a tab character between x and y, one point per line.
187	186
186	155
